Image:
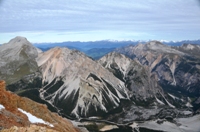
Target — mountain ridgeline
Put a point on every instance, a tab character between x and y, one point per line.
67	80
176	69
77	84
132	80
136	79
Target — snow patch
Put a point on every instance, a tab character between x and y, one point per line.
188	104
34	119
108	128
165	126
170	105
134	125
187	112
173	68
190	124
159	101
172	96
2	107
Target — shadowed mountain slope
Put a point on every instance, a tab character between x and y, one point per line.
77	84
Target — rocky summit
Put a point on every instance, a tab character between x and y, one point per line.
17	58
77	84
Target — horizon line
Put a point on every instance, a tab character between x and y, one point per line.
110	40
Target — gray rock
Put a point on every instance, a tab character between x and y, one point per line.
141	87
78	85
175	70
17	59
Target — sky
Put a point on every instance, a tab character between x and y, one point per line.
91	20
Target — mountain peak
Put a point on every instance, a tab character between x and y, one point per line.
114	54
19	39
155	43
190	46
17	42
78	80
16	53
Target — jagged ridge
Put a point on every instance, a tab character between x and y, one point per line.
176	71
78	85
137	80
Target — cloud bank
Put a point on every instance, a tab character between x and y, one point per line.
110	19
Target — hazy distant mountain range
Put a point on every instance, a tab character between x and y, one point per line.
97	49
108	43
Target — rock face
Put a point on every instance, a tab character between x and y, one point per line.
17	58
136	78
175	70
191	49
66	79
78	85
10	115
31	128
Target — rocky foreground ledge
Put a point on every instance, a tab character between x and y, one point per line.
19	113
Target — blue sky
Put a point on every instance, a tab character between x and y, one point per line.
90	20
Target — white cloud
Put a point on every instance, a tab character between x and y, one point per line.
135	16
